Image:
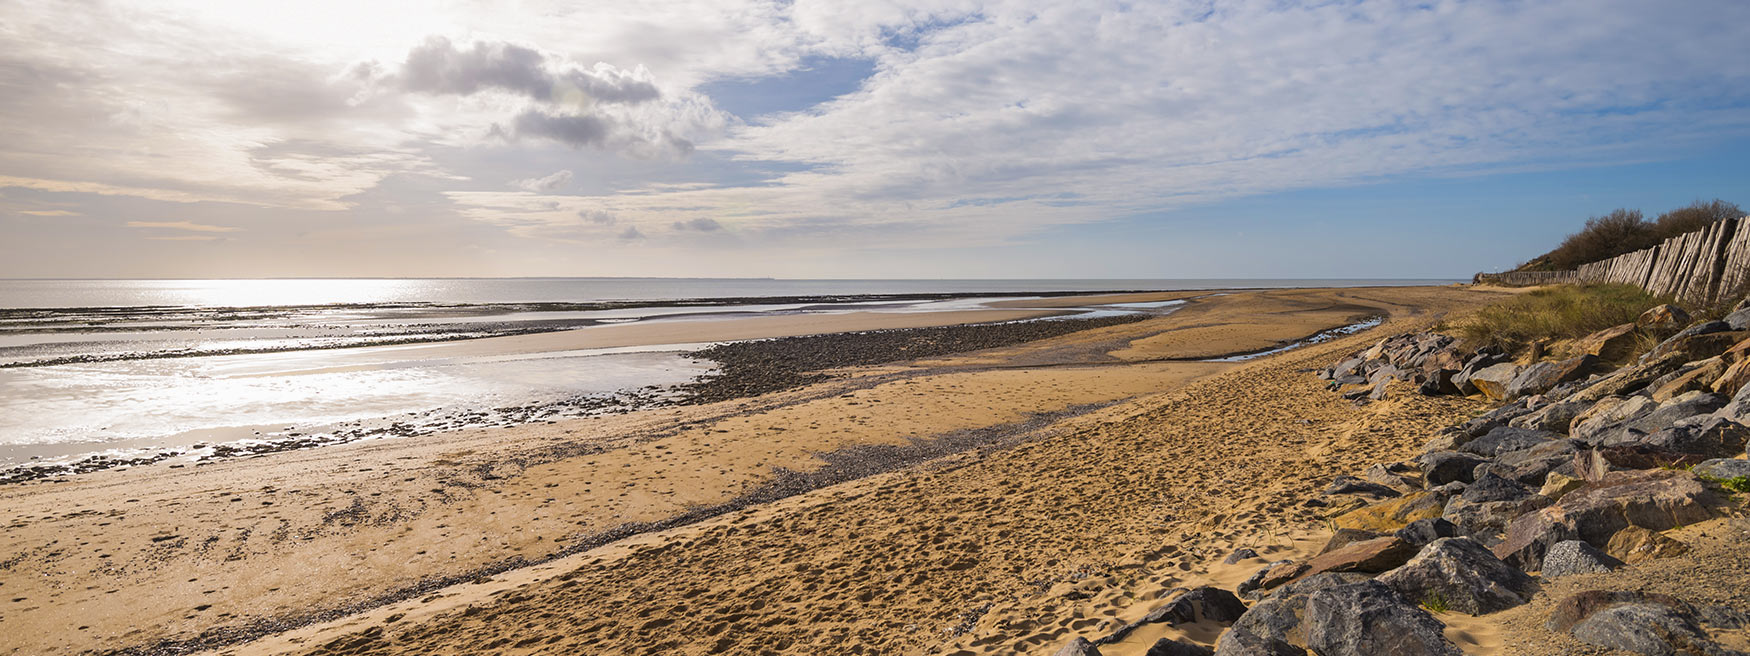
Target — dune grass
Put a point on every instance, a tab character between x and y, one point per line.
1554	313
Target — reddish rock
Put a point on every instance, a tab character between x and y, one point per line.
1493	380
1369	556
1611	344
1699	378
1656	500
1635	544
1733	378
1663	319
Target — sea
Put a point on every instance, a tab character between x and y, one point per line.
134	371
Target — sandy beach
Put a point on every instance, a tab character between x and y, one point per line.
996	501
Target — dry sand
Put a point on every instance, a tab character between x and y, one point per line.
1083	476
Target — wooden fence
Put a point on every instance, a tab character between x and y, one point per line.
1527	278
1701	267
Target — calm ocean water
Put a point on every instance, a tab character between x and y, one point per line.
124	367
320	291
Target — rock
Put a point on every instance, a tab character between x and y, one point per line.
1575	608
1492	381
1392	515
1375	555
1554	417
1241	642
1738	409
1691	346
1353	485
1738	320
1629	380
1642	415
1642	456
1701	436
1078	647
1570	557
1531	466
1397	476
1607	411
1198	604
1635	544
1423	531
1165	647
1238	555
1557	485
1656	500
1204	603
1489	504
1732	380
1697	379
1464	574
1505	439
1543	376
1590	465
1270	576
1494	488
1278	617
1663	319
1345	537
1439	382
1612	344
1643	629
1442	467
1723	468
1448	439
1370	619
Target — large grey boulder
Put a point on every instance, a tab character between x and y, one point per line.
1739	320
1702	436
1423	531
1655	500
1724	468
1530	466
1371	619
1570	557
1651	629
1279	616
1554	417
1544	376
1486	506
1505	439
1240	642
1644	623
1442	467
1462	572
1640	416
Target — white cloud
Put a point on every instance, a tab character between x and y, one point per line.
557	180
983	121
181	225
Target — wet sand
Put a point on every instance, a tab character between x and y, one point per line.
992	502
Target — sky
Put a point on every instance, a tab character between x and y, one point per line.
870	139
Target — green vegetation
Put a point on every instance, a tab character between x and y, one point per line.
1552	313
1435	603
1625	230
1740	484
